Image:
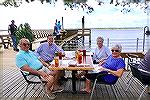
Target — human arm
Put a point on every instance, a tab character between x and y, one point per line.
44	63
118	73
102	61
32	71
38	51
114	66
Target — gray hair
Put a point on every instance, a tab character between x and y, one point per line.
23	39
118	46
100	38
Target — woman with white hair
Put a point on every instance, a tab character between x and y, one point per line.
113	68
101	52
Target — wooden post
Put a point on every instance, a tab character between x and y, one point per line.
62	23
83	30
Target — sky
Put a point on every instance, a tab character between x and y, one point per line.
43	16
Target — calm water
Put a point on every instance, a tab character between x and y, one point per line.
126	37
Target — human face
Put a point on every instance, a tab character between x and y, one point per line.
99	43
50	40
115	52
25	45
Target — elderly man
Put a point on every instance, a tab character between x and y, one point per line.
46	52
26	60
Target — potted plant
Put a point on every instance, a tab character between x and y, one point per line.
24	31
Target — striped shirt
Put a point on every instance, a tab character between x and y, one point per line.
47	52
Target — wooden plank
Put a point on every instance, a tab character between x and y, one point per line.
139	54
17	86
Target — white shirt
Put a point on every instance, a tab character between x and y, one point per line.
100	53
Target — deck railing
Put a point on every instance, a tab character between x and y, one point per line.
131	45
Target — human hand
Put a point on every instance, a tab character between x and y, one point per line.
103	69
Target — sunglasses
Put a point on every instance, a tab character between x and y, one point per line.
115	50
26	44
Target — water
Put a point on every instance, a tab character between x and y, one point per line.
43	16
126	37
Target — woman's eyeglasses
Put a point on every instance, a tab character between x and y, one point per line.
115	50
26	44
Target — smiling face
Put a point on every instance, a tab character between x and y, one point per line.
50	39
100	42
115	52
24	44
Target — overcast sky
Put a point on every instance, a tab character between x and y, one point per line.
43	16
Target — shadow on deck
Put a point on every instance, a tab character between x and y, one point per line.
13	87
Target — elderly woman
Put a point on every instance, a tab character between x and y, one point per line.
113	67
101	52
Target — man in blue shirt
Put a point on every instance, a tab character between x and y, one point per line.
27	61
46	52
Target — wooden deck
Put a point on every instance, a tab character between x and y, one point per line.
13	87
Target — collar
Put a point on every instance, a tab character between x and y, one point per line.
22	51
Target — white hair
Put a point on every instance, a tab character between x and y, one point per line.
118	46
100	38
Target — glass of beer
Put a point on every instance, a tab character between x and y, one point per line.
56	59
79	58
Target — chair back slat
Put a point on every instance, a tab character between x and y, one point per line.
141	76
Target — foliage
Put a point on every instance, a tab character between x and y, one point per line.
77	4
24	31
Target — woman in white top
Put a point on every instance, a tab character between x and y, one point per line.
101	52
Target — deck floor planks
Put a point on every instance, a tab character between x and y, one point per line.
14	87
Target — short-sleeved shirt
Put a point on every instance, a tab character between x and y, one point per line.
113	64
103	52
28	58
47	52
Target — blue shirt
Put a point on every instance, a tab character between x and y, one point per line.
100	53
27	58
113	64
47	52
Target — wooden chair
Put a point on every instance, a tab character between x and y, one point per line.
28	77
96	81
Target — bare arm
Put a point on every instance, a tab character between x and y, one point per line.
36	72
44	63
118	73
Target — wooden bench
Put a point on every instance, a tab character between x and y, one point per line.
5	41
139	54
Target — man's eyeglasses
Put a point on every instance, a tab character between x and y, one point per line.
115	50
26	44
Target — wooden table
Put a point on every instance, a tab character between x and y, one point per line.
74	68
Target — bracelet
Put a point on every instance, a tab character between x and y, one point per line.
108	70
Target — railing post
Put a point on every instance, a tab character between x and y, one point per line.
83	30
137	43
107	42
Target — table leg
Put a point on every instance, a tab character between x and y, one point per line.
74	81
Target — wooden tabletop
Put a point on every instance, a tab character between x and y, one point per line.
85	65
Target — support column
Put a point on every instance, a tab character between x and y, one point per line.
83	30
